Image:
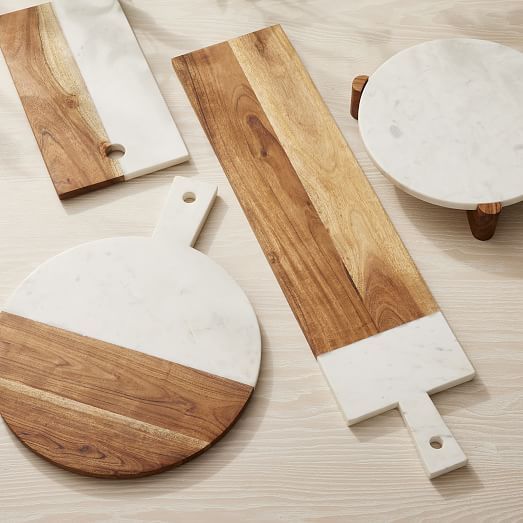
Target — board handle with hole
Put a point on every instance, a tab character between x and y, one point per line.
399	368
188	205
438	449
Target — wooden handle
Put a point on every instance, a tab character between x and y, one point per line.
358	84
185	212
484	219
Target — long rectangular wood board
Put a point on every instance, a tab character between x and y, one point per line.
337	256
366	312
88	94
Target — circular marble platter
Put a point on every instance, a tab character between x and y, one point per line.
444	121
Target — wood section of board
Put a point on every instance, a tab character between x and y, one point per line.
296	242
104	410
290	167
377	261
61	113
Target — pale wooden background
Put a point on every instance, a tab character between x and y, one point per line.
290	457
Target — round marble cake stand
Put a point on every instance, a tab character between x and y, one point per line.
443	120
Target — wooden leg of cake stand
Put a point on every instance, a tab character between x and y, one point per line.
483	220
358	84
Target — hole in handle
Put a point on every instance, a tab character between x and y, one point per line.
189	197
436	442
114	151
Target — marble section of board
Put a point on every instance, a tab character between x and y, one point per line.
121	85
375	374
398	368
443	120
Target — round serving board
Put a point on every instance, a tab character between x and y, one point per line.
126	356
444	121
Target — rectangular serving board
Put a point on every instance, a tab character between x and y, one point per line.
88	94
345	272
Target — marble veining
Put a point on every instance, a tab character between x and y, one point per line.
399	368
444	121
155	295
121	85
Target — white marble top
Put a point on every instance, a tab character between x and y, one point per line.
444	121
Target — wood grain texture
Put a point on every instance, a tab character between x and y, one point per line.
288	457
305	195
483	220
295	241
376	259
130	402
62	115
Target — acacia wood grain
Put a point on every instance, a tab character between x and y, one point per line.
85	441
85	391
295	241
61	113
274	135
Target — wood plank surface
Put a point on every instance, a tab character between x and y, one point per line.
288	457
58	106
290	168
89	441
295	241
378	263
190	408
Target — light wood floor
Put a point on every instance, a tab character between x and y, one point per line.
290	457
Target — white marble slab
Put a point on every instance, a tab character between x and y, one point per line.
444	121
155	295
123	89
398	368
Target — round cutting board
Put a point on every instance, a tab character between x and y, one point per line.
126	356
444	121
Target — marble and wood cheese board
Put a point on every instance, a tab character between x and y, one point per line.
443	121
94	106
126	356
370	320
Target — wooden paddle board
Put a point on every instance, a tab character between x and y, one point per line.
126	356
95	108
366	312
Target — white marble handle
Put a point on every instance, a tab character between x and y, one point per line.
398	368
437	448
185	212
